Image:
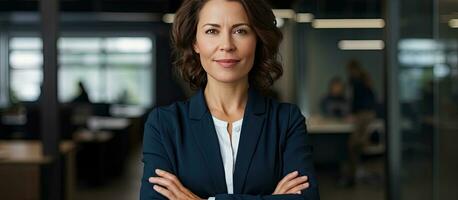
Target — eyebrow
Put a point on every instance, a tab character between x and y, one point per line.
233	26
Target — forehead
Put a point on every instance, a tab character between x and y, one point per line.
222	11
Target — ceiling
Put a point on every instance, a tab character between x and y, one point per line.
320	8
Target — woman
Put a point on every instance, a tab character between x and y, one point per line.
363	103
227	141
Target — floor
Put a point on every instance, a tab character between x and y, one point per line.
127	186
370	185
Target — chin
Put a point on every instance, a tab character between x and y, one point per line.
228	78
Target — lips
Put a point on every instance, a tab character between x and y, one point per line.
227	63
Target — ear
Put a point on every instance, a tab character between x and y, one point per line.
196	48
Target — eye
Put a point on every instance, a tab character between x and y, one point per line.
211	31
241	31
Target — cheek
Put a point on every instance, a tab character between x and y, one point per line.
206	47
250	51
249	47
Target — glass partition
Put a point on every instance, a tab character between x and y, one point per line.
428	92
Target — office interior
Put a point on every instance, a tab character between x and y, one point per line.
78	78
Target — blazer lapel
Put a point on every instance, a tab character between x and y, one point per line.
204	133
253	121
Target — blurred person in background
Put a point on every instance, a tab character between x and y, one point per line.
363	113
82	96
335	104
227	50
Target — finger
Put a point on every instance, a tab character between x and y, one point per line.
178	189
170	185
164	192
293	183
169	176
298	188
279	188
288	177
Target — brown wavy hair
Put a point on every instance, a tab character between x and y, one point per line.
266	68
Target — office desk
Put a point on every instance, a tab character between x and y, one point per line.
329	138
102	149
107	123
20	163
321	125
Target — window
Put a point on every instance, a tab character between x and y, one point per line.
112	69
26	71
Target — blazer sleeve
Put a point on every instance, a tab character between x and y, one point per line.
297	155
154	156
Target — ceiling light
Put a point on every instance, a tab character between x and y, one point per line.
453	23
168	18
284	13
280	22
348	23
304	17
361	45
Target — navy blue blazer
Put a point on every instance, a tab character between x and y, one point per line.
181	139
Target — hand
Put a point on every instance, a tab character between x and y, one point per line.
169	186
292	184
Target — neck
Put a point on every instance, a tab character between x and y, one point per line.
226	98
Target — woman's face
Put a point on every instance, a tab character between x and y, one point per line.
225	41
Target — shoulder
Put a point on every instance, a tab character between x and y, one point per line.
167	114
283	108
285	112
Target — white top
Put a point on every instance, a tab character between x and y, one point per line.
228	147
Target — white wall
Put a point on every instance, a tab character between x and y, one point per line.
285	85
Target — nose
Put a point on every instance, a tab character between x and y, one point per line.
227	43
